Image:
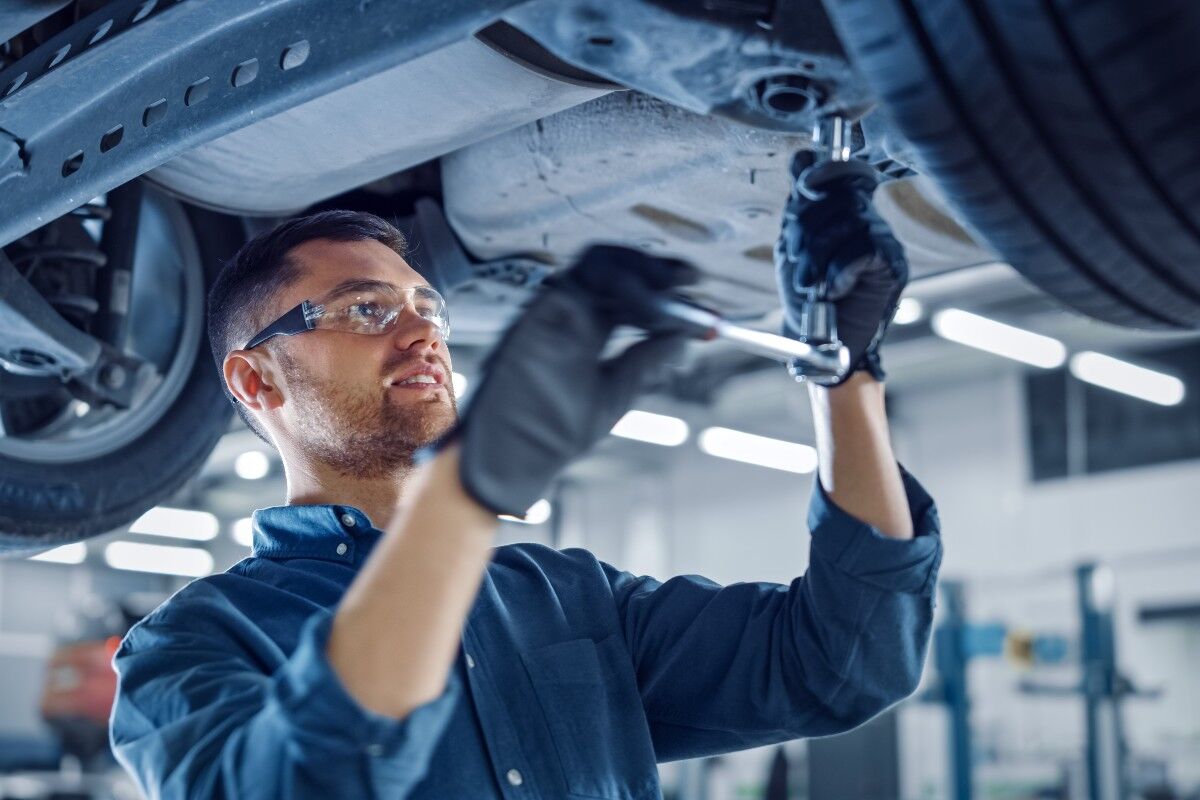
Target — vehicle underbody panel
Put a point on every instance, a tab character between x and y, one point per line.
297	104
632	169
105	101
411	113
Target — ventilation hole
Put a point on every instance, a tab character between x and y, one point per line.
154	112
244	73
72	164
294	55
764	252
111	139
16	83
58	57
100	32
143	11
196	92
601	41
674	225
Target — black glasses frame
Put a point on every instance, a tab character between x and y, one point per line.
297	320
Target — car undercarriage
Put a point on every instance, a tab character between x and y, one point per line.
141	142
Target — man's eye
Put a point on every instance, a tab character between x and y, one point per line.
364	310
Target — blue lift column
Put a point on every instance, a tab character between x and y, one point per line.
956	642
1103	686
952	656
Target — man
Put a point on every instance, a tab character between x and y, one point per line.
377	645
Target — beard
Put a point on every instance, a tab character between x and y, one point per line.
361	432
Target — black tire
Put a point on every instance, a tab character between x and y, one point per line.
1066	133
47	504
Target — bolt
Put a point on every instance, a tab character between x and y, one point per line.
113	376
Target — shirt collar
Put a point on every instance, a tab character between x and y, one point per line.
331	532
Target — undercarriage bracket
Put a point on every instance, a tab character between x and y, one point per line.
138	82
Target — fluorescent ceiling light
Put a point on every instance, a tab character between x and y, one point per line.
177	523
459	383
908	311
538	513
653	428
242	531
1121	376
73	553
996	337
760	450
252	465
191	562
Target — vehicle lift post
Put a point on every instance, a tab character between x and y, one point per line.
956	642
950	643
1102	685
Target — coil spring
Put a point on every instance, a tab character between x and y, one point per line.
28	258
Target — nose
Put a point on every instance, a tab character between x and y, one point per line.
414	332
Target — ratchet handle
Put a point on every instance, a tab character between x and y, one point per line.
818	328
826	365
820	362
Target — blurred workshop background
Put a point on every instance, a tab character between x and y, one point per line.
1068	620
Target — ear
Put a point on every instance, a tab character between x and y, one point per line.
249	381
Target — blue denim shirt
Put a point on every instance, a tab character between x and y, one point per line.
573	679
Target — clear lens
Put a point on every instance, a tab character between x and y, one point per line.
431	306
376	311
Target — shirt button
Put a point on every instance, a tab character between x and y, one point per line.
375	749
514	777
470	662
348	520
341	549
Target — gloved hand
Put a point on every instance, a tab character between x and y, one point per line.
838	248
546	395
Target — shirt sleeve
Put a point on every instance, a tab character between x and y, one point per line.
194	717
723	668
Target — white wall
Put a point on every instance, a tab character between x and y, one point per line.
1016	542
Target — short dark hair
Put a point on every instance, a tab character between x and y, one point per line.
241	297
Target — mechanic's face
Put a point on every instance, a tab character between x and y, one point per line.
342	403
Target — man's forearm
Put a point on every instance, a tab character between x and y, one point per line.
856	465
397	630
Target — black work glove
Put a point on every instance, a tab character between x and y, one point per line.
838	248
546	395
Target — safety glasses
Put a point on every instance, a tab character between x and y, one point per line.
363	306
